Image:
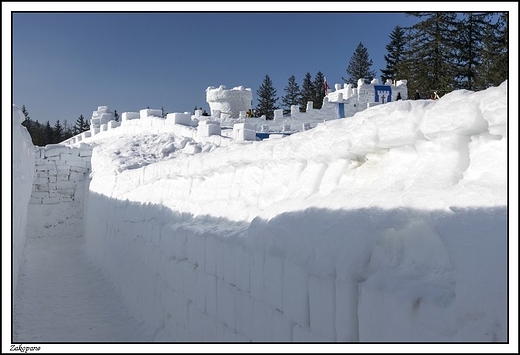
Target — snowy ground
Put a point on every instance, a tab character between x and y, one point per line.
62	297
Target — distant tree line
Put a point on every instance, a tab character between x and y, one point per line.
444	51
311	90
43	134
447	51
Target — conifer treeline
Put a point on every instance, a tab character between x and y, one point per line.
444	51
447	51
311	90
43	134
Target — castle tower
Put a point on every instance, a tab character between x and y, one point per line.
229	102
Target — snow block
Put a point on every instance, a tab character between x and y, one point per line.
244	131
211	295
273	270
195	322
346	310
221	262
209	328
196	249
52	150
242	279
296	294
189	280
226	303
229	263
262	322
208	128
113	124
244	314
282	327
199	297
147	112
127	116
211	256
181	245
176	276
322	295
178	118
257	261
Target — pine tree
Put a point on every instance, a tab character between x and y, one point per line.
25	113
433	52
267	98
27	123
308	93
86	125
116	116
34	128
48	134
57	135
67	131
292	94
81	125
319	90
396	53
359	66
495	53
471	30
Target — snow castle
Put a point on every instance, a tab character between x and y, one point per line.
228	103
349	100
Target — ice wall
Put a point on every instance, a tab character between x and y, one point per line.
22	175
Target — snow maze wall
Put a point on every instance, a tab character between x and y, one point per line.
210	279
305	276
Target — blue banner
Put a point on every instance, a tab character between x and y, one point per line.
383	93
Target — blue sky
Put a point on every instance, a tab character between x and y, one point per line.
68	64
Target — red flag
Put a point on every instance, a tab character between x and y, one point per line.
326	86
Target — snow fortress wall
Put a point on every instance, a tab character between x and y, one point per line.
181	124
23	172
58	171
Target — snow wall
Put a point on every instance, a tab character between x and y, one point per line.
210	279
23	172
60	177
192	271
180	124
